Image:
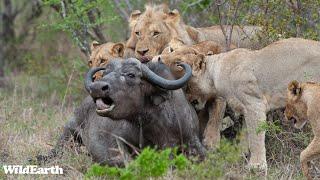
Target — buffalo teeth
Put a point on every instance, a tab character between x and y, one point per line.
110	108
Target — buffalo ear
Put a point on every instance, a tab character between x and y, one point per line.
159	98
94	44
118	49
133	18
294	88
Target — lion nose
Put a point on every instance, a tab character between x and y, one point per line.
99	88
143	52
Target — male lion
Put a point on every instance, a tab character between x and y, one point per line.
303	105
152	30
252	82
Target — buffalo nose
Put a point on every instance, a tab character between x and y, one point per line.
143	52
99	88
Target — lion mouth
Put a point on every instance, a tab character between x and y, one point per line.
104	105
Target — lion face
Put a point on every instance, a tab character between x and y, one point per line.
296	110
196	91
152	31
174	44
151	40
101	54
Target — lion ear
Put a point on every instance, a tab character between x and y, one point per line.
174	15
199	65
94	44
134	17
118	49
294	88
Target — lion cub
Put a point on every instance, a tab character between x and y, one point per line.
303	105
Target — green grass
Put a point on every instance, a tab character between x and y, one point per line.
31	121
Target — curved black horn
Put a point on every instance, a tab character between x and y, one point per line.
165	83
89	77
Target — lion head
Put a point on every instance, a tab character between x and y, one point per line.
204	47
194	55
153	30
296	109
101	54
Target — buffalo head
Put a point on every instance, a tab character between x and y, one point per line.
128	85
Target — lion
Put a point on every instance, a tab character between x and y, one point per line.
152	30
250	81
205	47
303	105
101	54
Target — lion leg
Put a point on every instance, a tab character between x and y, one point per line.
311	152
255	115
212	132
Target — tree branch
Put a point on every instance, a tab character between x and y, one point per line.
123	13
96	28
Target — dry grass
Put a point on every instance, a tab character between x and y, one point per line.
30	125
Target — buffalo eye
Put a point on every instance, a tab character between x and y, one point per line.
137	33
131	75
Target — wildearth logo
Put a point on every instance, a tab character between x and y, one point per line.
31	169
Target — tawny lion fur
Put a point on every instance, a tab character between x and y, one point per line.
304	106
101	54
152	30
252	82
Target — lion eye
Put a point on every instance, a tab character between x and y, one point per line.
102	61
156	33
170	49
90	63
137	33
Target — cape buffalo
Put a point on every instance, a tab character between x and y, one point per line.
99	135
149	98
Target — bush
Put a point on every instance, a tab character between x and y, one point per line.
152	163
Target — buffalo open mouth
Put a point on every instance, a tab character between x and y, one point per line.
104	105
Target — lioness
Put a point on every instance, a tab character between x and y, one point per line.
101	54
204	47
214	108
302	106
152	30
252	82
